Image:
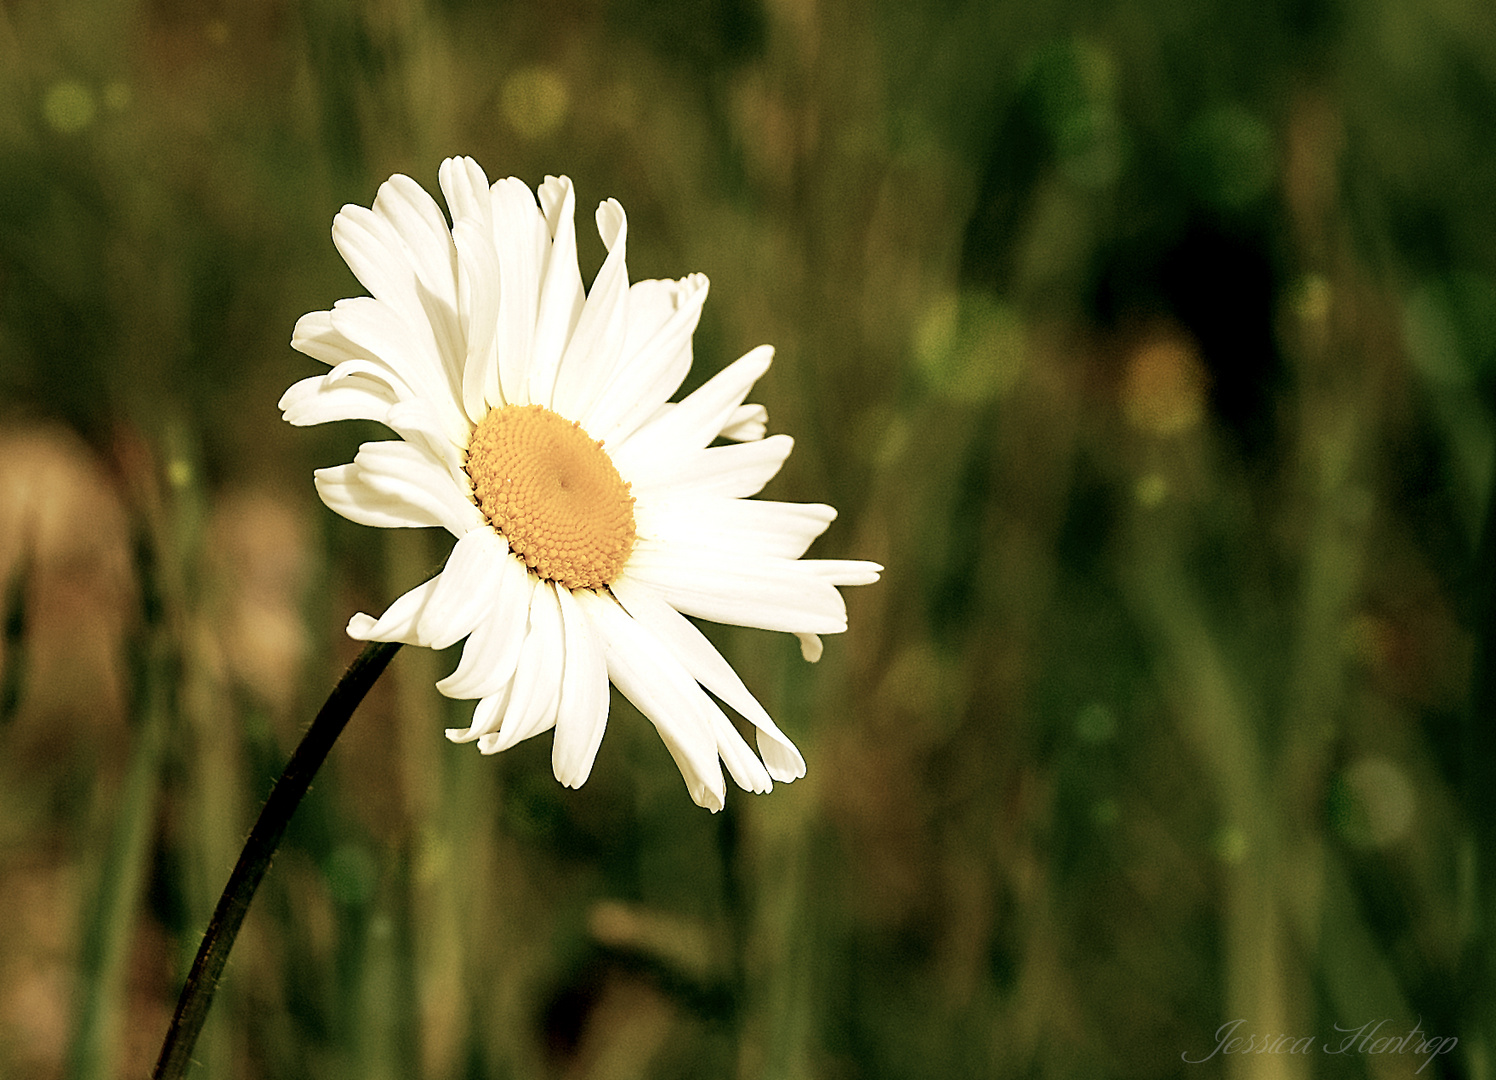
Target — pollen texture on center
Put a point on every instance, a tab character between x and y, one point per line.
552	491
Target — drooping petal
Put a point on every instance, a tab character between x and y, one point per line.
487	715
707	666
400	621
491	653
645	673
537	679
583	712
464	589
811	647
742	763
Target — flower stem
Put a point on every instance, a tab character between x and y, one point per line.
254	860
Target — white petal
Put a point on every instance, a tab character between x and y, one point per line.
372	371
402	252
491	653
344	492
595	346
521	239
312	401
464	589
417	423
465	186
583	712
537	679
376	255
409	471
487	715
656	356
648	675
843	571
417	220
708	667
734	471
692	423
741	590
747	423
400	621
742	763
375	330
747	526
811	647
315	336
561	293
402	483
478	311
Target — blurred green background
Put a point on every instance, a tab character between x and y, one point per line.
1151	346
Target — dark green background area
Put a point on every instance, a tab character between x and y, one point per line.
1151	347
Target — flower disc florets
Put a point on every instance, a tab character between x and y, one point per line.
552	491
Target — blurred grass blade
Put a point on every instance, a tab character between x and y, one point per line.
108	933
111	922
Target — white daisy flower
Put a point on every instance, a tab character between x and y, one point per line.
592	515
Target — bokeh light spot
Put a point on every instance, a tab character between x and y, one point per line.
1163	387
535	101
69	106
1151	490
969	348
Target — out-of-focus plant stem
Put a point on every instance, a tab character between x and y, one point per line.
1478	761
259	849
112	918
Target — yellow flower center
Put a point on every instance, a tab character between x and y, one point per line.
554	494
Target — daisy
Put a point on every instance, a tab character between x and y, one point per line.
592	514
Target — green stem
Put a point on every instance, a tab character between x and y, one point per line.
254	860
